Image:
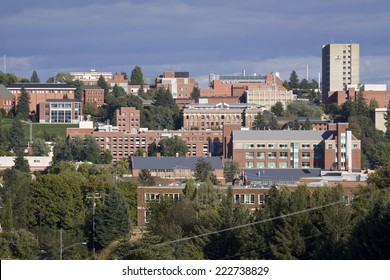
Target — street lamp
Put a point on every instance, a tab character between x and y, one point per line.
70	246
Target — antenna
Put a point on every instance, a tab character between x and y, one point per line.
5	64
307	72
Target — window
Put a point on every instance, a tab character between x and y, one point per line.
271	164
271	146
305	164
282	164
305	146
271	154
305	155
172	196
249	146
249	155
249	164
149	197
260	146
245	198
283	155
355	145
260	155
262	199
330	146
260	164
283	146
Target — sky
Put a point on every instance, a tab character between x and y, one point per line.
202	36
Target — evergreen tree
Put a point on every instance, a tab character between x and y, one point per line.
387	121
23	106
231	169
91	149
104	85
294	80
34	78
307	125
112	219
16	136
137	77
259	123
40	148
204	171
21	163
7	222
173	146
195	92
145	178
277	109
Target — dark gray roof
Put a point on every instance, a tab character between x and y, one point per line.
282	174
4	92
173	162
284	135
38	86
83	87
300	119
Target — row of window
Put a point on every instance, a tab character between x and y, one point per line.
155	197
282	164
272	155
280	146
250	198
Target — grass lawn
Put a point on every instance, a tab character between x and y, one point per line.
38	129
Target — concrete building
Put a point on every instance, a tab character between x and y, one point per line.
91	78
180	84
40	93
214	116
36	163
340	67
332	149
7	99
119	79
93	94
268	95
59	111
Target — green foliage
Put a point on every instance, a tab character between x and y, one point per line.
203	171
278	109
34	77
264	121
104	85
8	79
7	221
145	178
129	192
23	106
21	163
195	93
294	80
20	245
112	219
173	146
16	136
231	169
40	148
121	167
137	77
304	109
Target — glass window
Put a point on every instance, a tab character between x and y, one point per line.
249	146
260	155
260	146
282	164
305	164
271	154
305	155
262	198
249	164
271	164
305	146
249	155
260	164
283	155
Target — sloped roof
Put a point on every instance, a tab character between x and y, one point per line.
173	162
283	135
5	93
41	86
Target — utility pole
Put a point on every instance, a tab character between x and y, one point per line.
93	197
61	244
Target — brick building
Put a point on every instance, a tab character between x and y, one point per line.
128	118
7	99
332	149
180	84
119	79
93	94
40	93
214	116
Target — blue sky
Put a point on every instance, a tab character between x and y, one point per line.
200	36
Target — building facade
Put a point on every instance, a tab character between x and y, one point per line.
180	84
40	93
340	67
7	99
215	116
91	78
93	94
128	118
59	111
332	149
268	95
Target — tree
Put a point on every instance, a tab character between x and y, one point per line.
145	178
21	163
277	109
137	77
91	149
294	80
231	169
112	219
259	123
104	85
34	77
307	124
387	121
16	136
204	171
173	146
23	106
195	92
6	221
40	148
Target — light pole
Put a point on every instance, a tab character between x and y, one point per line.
95	195
70	246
